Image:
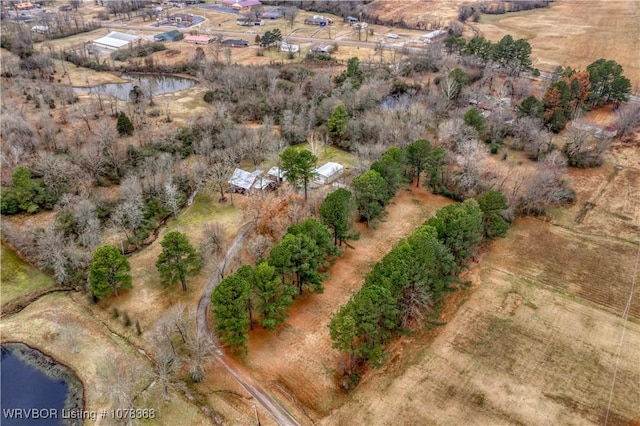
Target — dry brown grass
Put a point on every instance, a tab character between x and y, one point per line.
535	341
575	33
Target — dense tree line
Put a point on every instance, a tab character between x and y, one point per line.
263	292
574	92
405	288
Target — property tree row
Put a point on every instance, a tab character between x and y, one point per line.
406	288
262	293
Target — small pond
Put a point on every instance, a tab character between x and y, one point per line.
36	390
157	84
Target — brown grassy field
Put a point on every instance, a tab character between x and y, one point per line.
536	339
575	33
568	33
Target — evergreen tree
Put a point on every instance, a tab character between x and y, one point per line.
273	297
459	228
418	157
371	194
376	318
493	205
177	260
390	167
298	165
108	272
124	125
319	233
297	259
531	107
337	211
342	329
607	82
25	193
337	123
230	299
474	119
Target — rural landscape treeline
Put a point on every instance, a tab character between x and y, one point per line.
89	181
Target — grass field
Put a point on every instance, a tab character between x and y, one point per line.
536	341
18	277
575	33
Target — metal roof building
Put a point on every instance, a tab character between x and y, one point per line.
115	40
328	172
243	181
173	35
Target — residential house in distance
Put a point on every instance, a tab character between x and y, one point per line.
351	20
185	19
173	35
323	48
292	48
199	39
249	22
115	40
244	182
236	43
25	5
318	20
40	29
241	4
272	14
433	36
328	173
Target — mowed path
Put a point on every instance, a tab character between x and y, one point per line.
297	360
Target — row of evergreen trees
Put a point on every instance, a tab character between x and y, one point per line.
263	292
374	188
404	289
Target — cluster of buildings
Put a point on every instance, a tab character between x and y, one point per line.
244	182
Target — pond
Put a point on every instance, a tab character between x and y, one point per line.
36	390
156	84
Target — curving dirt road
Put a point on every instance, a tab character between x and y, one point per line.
279	414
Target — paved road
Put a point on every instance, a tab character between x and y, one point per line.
279	414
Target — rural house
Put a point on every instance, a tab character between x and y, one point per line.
173	35
323	48
328	173
272	14
241	4
184	19
198	39
244	182
318	20
249	22
236	43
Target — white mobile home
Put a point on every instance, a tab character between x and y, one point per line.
328	173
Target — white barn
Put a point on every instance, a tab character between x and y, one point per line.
328	173
115	40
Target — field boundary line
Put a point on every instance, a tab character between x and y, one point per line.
625	316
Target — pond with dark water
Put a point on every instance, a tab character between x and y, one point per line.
36	390
156	84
